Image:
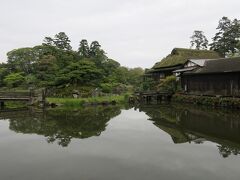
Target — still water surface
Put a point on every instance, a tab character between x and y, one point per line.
111	143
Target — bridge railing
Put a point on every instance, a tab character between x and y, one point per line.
33	96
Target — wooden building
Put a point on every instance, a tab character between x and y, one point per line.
161	73
217	77
176	60
190	65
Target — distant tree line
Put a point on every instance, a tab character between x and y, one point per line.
56	64
226	41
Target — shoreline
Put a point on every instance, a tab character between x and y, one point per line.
221	102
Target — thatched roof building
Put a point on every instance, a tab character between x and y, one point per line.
176	60
180	56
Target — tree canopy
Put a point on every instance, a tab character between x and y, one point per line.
199	40
54	64
227	38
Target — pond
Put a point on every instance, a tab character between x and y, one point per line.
120	143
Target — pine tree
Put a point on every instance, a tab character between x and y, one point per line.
199	40
227	38
83	49
62	41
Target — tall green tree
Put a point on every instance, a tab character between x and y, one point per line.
46	69
62	41
97	53
237	53
83	72
95	49
135	76
199	40
227	38
21	60
48	41
3	73
84	50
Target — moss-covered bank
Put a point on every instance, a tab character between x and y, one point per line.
226	102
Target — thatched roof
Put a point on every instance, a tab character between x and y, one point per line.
163	69
180	56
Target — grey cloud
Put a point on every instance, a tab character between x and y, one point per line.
134	32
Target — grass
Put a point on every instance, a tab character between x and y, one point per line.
71	102
15	105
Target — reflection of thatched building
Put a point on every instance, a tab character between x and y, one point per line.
198	125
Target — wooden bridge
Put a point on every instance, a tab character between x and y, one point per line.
31	97
151	97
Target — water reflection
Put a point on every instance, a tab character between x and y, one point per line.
197	125
61	125
185	124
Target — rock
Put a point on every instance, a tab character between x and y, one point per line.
75	94
113	102
94	104
86	104
53	105
105	103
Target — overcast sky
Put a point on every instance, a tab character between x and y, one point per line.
133	32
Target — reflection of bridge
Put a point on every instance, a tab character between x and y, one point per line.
31	96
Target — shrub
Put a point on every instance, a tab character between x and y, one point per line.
168	84
14	79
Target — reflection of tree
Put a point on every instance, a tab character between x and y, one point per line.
225	151
63	125
199	141
185	124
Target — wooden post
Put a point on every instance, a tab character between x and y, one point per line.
44	97
31	94
231	87
159	99
2	105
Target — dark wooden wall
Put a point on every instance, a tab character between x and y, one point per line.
225	84
161	75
